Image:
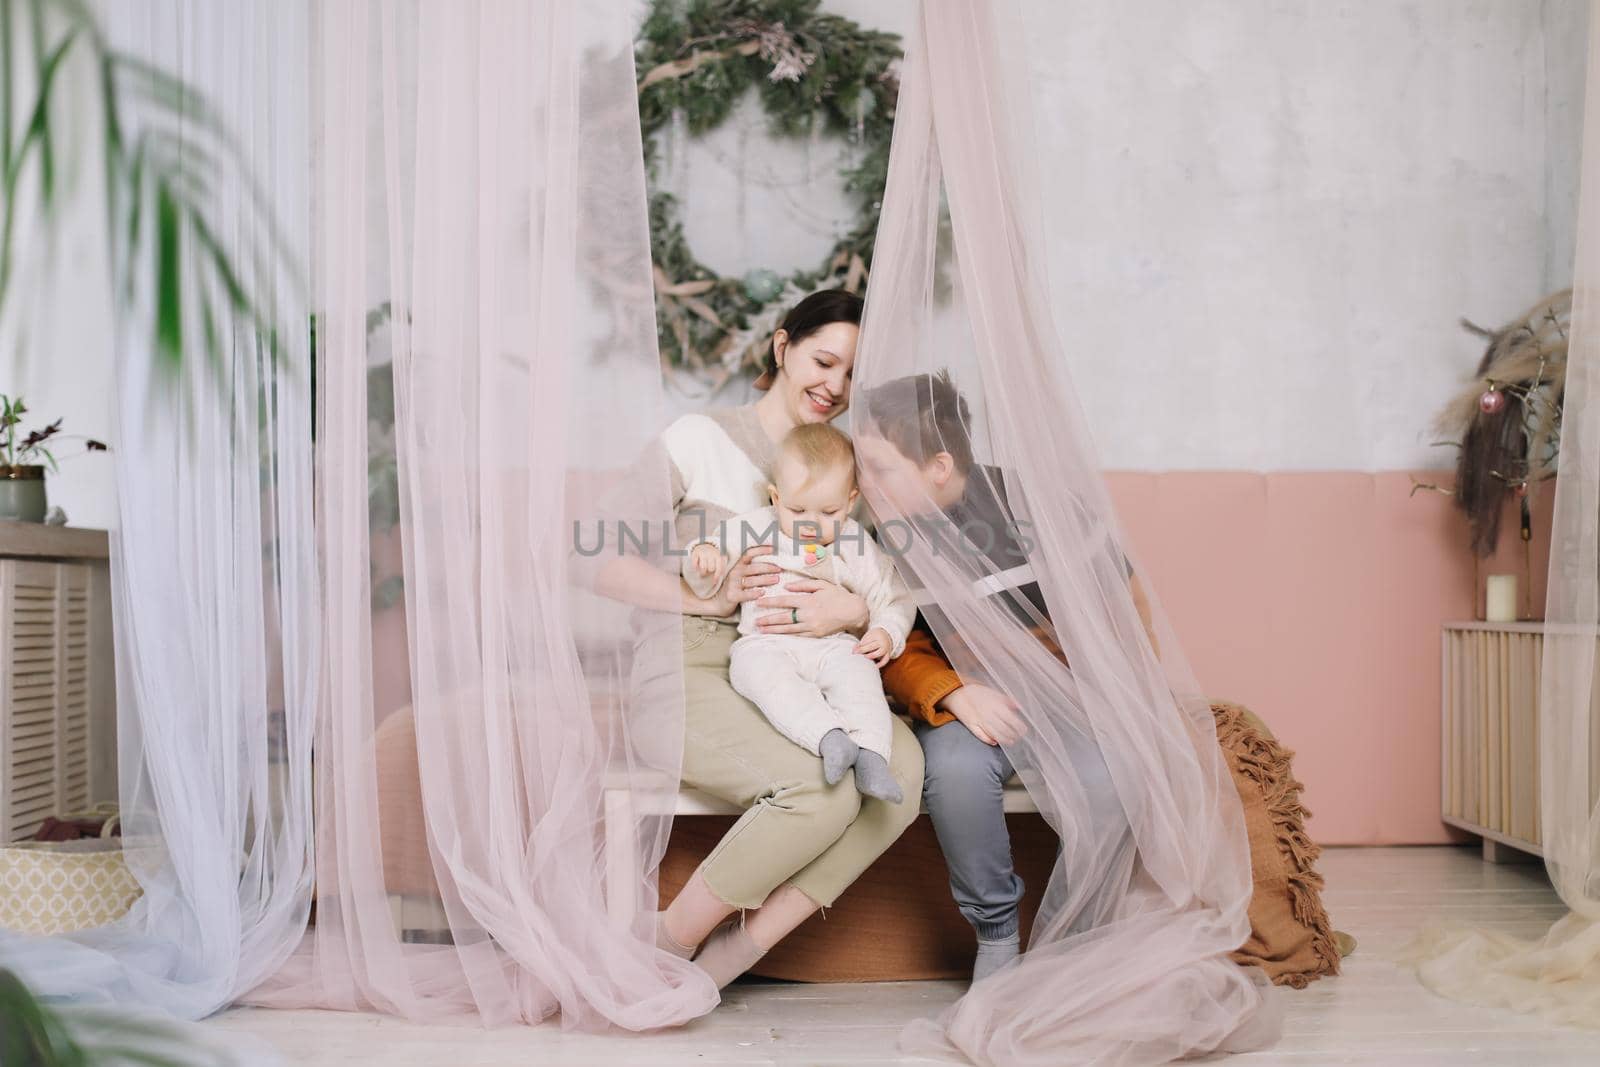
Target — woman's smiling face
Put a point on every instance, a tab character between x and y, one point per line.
816	371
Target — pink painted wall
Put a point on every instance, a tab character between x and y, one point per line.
1316	599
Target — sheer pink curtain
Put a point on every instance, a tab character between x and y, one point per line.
498	746
1557	975
1128	957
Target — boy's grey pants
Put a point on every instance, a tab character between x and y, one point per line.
963	788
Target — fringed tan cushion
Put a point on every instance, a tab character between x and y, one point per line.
1290	935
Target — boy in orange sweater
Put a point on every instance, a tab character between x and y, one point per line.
920	444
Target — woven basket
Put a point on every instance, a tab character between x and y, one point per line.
52	887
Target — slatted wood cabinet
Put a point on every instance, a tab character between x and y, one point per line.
55	674
1490	738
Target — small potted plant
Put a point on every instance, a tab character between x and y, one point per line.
23	461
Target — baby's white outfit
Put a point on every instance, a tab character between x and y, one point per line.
807	686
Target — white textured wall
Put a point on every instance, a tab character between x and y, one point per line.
1266	216
1270	216
1566	35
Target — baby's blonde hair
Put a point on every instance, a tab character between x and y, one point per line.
819	448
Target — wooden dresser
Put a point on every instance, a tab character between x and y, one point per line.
57	682
1490	734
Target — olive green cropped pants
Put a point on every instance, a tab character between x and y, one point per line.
797	829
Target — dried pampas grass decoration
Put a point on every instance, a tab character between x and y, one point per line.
1507	422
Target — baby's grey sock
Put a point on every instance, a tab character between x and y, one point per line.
993	955
838	753
874	778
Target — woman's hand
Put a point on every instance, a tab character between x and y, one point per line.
813	608
988	713
746	578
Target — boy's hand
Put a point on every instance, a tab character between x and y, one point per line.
876	645
988	713
706	559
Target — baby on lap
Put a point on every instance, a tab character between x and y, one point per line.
822	693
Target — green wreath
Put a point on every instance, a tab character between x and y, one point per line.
809	68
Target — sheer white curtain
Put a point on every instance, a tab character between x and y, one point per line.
213	565
489	829
1127	961
1557	976
409	634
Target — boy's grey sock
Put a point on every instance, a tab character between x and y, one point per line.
838	754
874	779
993	955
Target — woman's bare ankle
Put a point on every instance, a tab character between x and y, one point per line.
785	908
694	913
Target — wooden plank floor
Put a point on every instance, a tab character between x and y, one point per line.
1375	1013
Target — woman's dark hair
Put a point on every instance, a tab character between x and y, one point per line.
810	315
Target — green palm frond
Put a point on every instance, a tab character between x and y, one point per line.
38	1033
166	152
33	1034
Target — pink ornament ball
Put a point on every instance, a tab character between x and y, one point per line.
1492	402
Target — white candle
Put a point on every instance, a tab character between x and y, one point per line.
1500	600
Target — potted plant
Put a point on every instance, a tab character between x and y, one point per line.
23	462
